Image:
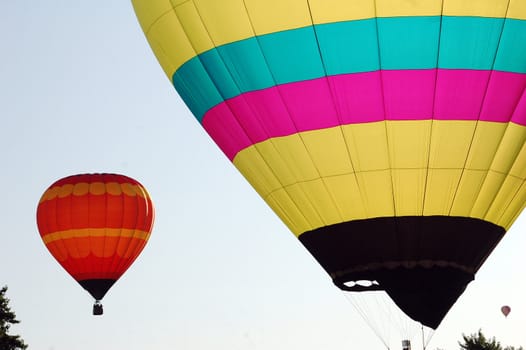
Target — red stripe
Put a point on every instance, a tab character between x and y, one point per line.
90	178
94	211
92	266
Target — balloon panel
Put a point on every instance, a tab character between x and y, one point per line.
387	135
95	225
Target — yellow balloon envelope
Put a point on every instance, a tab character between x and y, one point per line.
388	135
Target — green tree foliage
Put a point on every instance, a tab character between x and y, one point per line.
478	341
7	318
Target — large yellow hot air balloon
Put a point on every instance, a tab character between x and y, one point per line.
388	135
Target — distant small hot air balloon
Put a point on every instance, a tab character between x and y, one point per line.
95	226
505	310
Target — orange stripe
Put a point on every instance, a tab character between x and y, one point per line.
94	188
95	232
88	250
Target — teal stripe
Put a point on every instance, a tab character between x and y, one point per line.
292	55
405	43
358	54
245	63
408	42
512	48
469	42
196	88
350	47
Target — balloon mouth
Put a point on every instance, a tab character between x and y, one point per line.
358	285
423	294
97	308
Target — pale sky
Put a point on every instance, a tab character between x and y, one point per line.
81	91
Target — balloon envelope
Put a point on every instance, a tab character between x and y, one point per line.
386	134
505	310
95	226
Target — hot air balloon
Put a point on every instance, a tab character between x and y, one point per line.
388	135
95	226
505	310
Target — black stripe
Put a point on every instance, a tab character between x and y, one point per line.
424	263
97	287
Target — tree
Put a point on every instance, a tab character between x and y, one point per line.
478	341
8	318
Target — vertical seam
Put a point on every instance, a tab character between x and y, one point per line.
338	114
382	89
396	230
433	110
477	123
115	259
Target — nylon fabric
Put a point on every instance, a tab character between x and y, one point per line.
95	225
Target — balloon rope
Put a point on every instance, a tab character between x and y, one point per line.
367	320
383	317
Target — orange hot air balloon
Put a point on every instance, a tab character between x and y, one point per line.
505	310
95	225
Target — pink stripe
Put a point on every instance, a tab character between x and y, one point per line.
519	114
409	94
504	98
366	97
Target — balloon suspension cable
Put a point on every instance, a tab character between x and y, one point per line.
97	308
427	339
375	328
423	340
386	320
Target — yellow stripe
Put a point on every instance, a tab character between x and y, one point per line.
180	30
323	177
395	8
95	232
481	8
149	11
271	16
341	10
506	176
517	9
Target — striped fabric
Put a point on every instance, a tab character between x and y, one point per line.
95	225
325	103
388	135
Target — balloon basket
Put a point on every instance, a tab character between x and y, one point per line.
97	308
